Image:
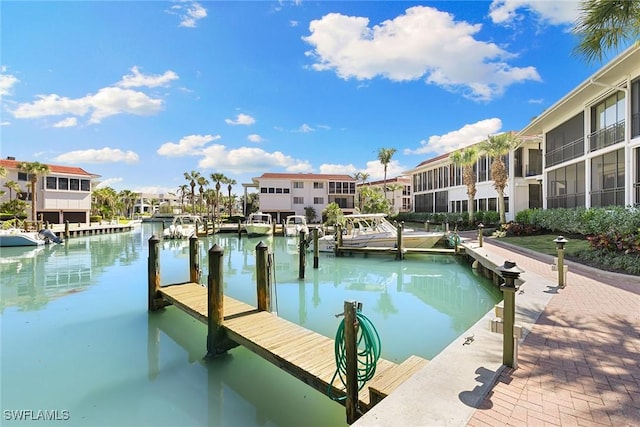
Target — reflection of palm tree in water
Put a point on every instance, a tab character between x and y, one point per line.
385	305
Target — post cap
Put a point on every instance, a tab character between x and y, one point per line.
481	225
560	239
510	269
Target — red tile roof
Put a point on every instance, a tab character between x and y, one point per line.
67	170
306	176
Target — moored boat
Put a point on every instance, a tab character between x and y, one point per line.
374	230
17	237
294	225
259	224
183	227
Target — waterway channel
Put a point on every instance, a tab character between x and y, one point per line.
77	342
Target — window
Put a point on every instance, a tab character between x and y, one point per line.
63	183
565	142
607	179
298	200
635	108
85	185
278	190
318	200
318	185
607	122
23	176
52	183
74	184
286	190
272	190
566	187
263	190
298	184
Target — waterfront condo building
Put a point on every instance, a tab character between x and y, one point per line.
584	151
284	194
62	195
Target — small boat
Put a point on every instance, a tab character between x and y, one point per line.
183	227
294	225
18	237
374	230
259	224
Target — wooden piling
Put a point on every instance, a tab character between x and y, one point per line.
316	249
154	272
239	228
194	259
338	239
66	229
351	354
262	277
215	303
399	254
302	255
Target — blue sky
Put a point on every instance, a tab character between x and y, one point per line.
141	92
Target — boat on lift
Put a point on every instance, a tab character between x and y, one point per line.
183	227
374	230
17	237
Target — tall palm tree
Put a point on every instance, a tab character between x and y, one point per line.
12	186
361	176
104	201
202	182
466	158
230	183
217	178
496	147
128	199
385	155
192	178
183	190
34	170
604	25
3	172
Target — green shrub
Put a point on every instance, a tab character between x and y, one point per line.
491	218
95	218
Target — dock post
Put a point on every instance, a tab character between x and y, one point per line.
239	228
351	354
194	259
316	249
66	230
154	272
205	224
215	302
399	254
302	255
262	280
338	239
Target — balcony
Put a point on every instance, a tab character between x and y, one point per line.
566	152
607	136
635	125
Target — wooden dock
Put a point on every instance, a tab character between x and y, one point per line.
303	353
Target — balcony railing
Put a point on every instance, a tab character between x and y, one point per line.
635	125
610	197
566	152
566	201
607	136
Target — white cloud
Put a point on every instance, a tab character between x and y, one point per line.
103	155
305	128
536	101
137	79
467	135
66	123
190	12
109	182
293	23
241	119
254	137
422	43
374	168
337	169
5	123
7	82
191	145
559	12
249	159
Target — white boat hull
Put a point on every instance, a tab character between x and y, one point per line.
14	237
428	240
259	229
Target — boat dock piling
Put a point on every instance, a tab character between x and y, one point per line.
303	353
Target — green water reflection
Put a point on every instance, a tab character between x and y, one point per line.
76	335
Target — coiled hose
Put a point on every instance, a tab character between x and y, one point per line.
368	345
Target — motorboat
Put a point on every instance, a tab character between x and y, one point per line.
183	227
374	230
17	237
259	224
294	225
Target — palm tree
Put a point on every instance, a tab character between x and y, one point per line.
128	199
183	190
3	172
217	178
361	176
496	147
192	178
230	183
202	182
12	186
104	201
34	170
466	158
385	155
604	25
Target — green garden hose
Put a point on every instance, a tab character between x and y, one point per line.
368	345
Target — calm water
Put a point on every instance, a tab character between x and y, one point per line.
78	342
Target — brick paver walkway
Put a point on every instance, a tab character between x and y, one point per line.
580	363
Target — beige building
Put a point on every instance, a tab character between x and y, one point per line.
62	195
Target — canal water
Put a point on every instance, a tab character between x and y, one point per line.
79	348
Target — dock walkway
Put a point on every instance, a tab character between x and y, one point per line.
305	354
